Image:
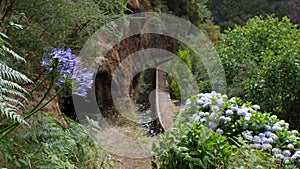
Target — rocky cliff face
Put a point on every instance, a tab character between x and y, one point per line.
121	51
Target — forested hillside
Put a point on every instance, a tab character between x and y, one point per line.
228	13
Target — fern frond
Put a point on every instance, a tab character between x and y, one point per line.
11	85
11	92
8	73
6	104
3	36
14	54
12	100
11	113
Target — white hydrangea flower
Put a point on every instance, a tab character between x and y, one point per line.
295	132
248	116
222	119
256	107
279	156
267	147
290	146
227	119
276	151
215	108
273	117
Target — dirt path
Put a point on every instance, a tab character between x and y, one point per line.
130	163
166	114
119	144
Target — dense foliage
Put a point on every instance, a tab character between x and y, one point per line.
229	13
48	144
195	66
192	10
199	148
35	27
208	137
261	61
50	23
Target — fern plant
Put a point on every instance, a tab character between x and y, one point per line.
49	144
10	90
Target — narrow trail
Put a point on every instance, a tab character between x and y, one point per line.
165	110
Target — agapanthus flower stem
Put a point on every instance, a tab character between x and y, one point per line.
50	100
46	94
12	127
35	88
30	93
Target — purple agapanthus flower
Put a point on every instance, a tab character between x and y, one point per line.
59	82
45	62
83	79
63	62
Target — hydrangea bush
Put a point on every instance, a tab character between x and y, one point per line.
263	131
269	139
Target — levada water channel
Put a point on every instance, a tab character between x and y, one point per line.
147	117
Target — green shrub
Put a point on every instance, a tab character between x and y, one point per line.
245	156
50	145
195	66
207	114
263	131
261	61
178	72
199	148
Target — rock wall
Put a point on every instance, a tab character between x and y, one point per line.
118	53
